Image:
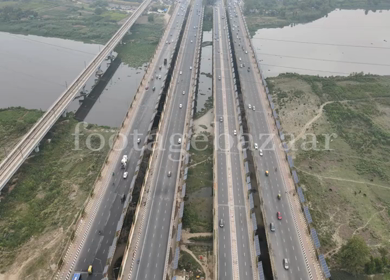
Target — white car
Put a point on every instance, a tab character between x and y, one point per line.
184	92
190	67
253	108
181	72
219	77
180	106
235	132
191	41
261	152
240	58
125	175
138	140
159	76
246	51
285	264
179	141
256	147
249	106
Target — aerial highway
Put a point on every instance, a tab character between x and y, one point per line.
284	241
234	243
95	248
151	254
31	139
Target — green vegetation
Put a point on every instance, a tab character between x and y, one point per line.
198	207
138	47
269	13
208	18
347	184
14	123
60	18
46	193
187	262
202	238
207	106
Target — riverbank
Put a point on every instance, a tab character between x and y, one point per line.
80	21
345	180
274	14
46	194
138	47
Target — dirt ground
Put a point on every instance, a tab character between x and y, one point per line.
348	185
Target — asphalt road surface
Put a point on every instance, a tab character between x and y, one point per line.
284	241
96	246
234	254
151	256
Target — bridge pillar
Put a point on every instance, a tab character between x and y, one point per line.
37	148
64	114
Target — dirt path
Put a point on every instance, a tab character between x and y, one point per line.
195	164
206	271
186	235
345	180
308	124
369	220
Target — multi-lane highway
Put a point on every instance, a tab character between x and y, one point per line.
234	251
154	242
101	234
284	241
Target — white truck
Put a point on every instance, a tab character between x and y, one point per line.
124	162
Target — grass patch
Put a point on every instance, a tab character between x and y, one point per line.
187	262
14	123
199	202
140	45
47	192
347	187
60	18
207	106
202	238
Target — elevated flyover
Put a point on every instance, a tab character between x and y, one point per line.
31	139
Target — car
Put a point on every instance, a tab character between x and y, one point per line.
156	77
190	67
221	223
235	132
272	227
246	51
249	106
194	26
241	65
285	264
220	119
169	174
239	59
166	42
184	92
279	215
138	140
261	152
90	269
159	76
160	67
125	174
191	41
180	106
219	77
266	173
256	147
253	108
154	88
179	141
181	72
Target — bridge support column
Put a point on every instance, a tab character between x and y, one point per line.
64	114
37	149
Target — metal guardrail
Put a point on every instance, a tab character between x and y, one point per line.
31	139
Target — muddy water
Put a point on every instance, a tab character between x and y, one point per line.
346	41
35	71
206	64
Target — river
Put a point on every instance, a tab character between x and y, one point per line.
36	70
344	42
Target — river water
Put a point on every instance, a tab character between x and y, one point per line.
344	42
35	71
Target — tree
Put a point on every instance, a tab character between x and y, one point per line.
98	11
354	255
150	17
